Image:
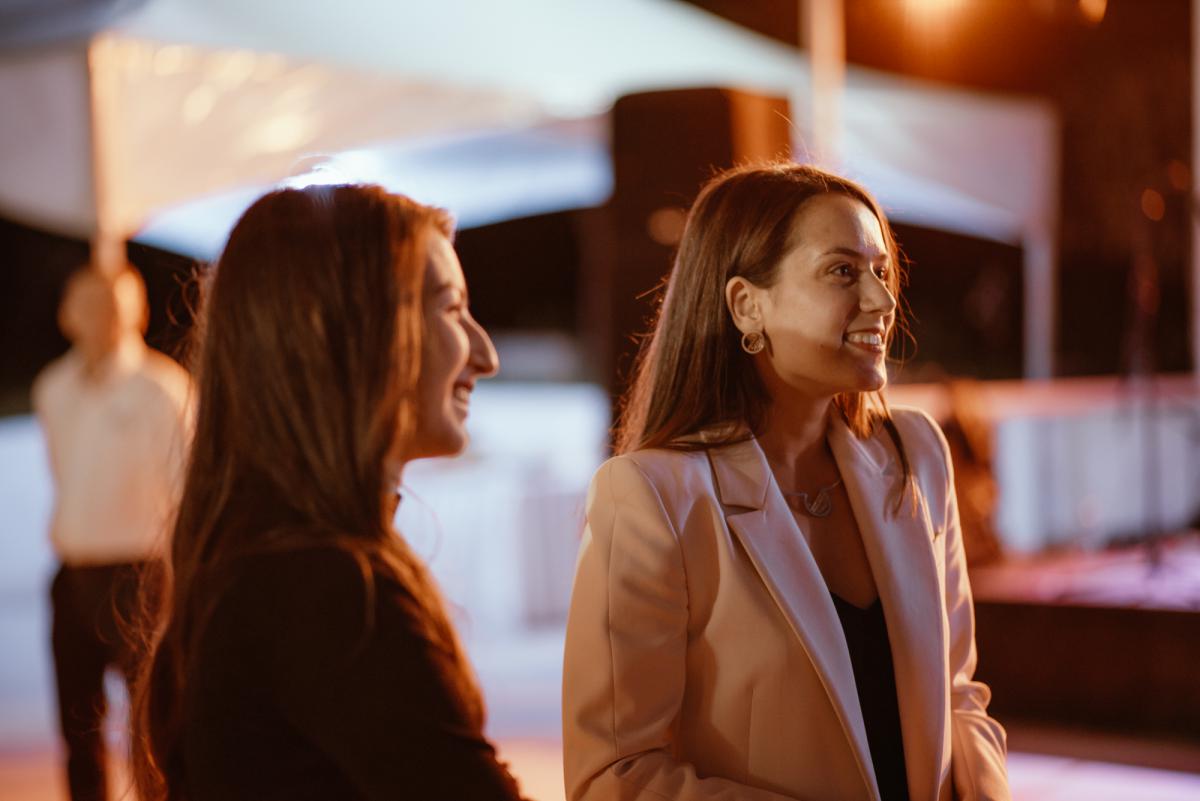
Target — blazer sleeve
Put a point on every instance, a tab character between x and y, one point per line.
624	667
977	740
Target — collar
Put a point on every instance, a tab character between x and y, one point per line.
744	476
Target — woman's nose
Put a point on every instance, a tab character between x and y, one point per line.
877	297
483	359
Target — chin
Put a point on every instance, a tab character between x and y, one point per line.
452	446
871	383
435	444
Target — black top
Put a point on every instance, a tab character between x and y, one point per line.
875	677
300	691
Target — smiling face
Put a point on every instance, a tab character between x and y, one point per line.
828	313
455	351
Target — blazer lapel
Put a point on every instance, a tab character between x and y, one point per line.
767	530
900	550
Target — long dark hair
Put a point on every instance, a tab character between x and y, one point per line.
309	353
691	373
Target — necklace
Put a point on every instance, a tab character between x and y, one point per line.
819	506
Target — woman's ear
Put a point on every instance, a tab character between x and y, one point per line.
742	298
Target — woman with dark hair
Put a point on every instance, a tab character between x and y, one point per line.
771	600
303	651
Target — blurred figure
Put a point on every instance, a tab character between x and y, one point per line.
969	435
771	600
303	651
114	416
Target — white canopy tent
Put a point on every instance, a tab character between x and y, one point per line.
491	109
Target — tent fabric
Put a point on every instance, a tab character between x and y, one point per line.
483	177
219	94
190	121
45	140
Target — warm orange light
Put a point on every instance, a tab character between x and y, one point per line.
665	225
932	8
1093	10
1179	175
933	17
1153	205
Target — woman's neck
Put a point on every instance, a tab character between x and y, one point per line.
101	361
794	441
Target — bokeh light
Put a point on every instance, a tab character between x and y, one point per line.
1153	205
1093	10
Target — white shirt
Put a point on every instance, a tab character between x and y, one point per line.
117	443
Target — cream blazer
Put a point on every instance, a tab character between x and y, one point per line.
704	656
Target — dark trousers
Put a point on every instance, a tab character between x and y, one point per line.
95	609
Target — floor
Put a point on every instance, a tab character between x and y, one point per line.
34	775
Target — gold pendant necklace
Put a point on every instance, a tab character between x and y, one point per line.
821	505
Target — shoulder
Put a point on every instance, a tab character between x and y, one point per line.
50	381
926	450
918	430
318	579
305	601
163	379
667	472
323	564
650	485
304	583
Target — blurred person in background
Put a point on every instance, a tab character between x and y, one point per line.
771	601
303	651
114	416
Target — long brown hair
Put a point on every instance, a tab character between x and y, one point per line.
691	373
309	353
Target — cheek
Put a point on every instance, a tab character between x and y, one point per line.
811	320
444	354
445	349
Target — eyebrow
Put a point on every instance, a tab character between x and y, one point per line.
843	251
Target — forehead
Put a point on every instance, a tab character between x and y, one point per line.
838	221
443	267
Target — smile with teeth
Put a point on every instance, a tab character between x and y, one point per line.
462	394
865	338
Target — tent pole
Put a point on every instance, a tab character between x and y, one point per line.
823	33
108	243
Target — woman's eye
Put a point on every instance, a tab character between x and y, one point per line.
844	270
881	273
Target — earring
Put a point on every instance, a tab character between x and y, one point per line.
753	342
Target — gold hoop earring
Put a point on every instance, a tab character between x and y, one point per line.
753	342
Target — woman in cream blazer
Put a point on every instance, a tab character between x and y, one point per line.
706	657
